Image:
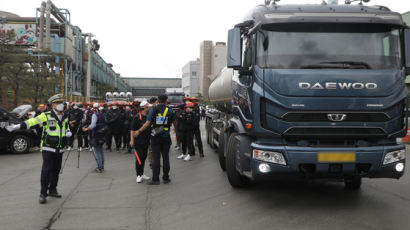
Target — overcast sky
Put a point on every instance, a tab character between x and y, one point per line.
146	38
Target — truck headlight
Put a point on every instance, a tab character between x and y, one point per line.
273	157
394	156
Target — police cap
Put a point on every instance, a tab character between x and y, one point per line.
56	98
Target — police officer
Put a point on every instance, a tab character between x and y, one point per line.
197	131
161	117
56	131
186	133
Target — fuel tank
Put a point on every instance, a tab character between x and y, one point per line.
220	91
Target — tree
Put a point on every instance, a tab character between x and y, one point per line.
43	80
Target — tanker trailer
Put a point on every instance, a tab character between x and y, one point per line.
220	94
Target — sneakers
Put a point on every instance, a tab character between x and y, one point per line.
97	170
167	181
153	183
55	194
201	155
69	148
177	147
187	158
144	177
182	156
42	199
80	149
138	179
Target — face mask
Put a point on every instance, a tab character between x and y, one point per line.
60	107
114	107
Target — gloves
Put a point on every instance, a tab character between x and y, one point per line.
68	134
11	128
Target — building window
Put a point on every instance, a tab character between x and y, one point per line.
193	74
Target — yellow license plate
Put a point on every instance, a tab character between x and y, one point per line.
331	157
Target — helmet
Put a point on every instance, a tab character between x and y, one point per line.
129	94
96	105
187	99
108	95
145	104
189	105
56	98
122	94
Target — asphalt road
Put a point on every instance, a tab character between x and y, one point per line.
199	197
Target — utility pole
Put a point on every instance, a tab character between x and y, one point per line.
89	66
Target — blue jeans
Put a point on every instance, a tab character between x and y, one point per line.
99	156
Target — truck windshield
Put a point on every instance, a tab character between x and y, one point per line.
175	99
347	48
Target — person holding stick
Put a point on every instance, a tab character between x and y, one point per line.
97	133
140	143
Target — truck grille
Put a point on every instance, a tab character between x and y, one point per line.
308	132
322	117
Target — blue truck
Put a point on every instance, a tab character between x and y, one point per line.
312	91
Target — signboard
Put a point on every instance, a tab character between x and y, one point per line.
25	33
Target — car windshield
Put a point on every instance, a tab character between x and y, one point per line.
328	46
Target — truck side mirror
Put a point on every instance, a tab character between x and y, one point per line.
407	50
234	56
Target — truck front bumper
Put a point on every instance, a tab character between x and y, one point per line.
303	162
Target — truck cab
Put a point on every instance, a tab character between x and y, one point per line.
318	91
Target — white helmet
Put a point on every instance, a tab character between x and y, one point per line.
115	94
122	94
108	95
145	104
129	94
96	105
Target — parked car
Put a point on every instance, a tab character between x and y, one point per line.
18	141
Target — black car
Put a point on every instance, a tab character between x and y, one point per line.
18	141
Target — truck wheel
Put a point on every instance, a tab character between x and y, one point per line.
20	144
235	179
207	136
221	151
211	138
353	183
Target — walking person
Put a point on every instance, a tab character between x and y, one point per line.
185	126
96	129
141	142
54	139
197	130
161	117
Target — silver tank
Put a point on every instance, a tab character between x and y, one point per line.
220	91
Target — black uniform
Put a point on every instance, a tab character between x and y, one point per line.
113	120
141	143
126	129
186	133
75	115
197	131
160	142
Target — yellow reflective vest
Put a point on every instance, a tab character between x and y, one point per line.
54	130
